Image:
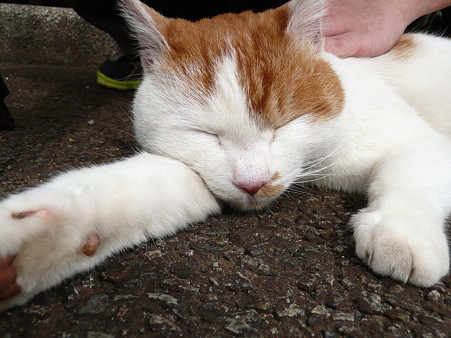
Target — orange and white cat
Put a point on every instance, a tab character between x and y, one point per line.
236	109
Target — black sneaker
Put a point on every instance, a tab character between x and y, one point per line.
124	73
6	121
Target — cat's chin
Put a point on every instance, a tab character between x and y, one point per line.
245	202
250	203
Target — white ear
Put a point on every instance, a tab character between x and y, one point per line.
147	26
305	21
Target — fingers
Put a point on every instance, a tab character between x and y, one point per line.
7	260
8	285
344	45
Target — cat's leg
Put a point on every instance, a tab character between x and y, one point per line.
75	221
402	232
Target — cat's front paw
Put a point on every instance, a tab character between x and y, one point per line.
401	247
30	257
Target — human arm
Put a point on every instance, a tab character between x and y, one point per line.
366	28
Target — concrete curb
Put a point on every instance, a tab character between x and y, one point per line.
51	35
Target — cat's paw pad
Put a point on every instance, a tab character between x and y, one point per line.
20	226
401	249
42	214
91	244
8	284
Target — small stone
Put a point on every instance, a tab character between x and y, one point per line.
214	281
123	297
320	310
370	304
292	310
343	316
396	314
433	295
163	297
95	304
160	323
91	122
244	322
328	334
397	289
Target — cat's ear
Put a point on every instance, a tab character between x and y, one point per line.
148	27
305	21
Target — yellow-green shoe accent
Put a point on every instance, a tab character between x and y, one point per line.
108	82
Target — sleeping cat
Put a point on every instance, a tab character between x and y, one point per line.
236	109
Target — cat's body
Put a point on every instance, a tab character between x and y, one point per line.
238	108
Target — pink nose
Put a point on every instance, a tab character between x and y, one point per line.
250	188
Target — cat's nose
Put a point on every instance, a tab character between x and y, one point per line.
250	188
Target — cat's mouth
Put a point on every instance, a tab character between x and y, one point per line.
260	196
265	195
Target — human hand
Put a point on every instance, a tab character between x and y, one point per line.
364	28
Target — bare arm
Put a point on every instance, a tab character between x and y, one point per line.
371	28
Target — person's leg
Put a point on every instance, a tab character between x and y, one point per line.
6	121
125	72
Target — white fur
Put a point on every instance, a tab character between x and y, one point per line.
220	123
392	142
124	203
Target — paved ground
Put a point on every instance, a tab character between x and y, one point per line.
287	271
290	270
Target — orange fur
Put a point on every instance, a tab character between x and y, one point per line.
403	49
281	80
269	190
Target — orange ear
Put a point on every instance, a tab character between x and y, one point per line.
148	26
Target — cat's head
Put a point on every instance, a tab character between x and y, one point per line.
239	98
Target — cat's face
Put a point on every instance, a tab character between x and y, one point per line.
237	99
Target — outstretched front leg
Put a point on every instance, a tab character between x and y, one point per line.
75	221
402	232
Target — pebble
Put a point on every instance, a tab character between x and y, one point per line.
292	310
163	297
320	310
433	295
245	322
397	289
95	304
343	316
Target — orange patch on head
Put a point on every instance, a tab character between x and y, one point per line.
403	49
281	79
284	80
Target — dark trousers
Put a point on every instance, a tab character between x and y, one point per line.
104	14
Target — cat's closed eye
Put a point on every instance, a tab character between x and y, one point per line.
212	136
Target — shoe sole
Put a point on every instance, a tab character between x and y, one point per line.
108	82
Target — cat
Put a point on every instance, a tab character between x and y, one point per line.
235	109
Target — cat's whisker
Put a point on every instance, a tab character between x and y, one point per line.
301	189
315	163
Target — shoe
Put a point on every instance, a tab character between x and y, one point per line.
6	121
124	73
